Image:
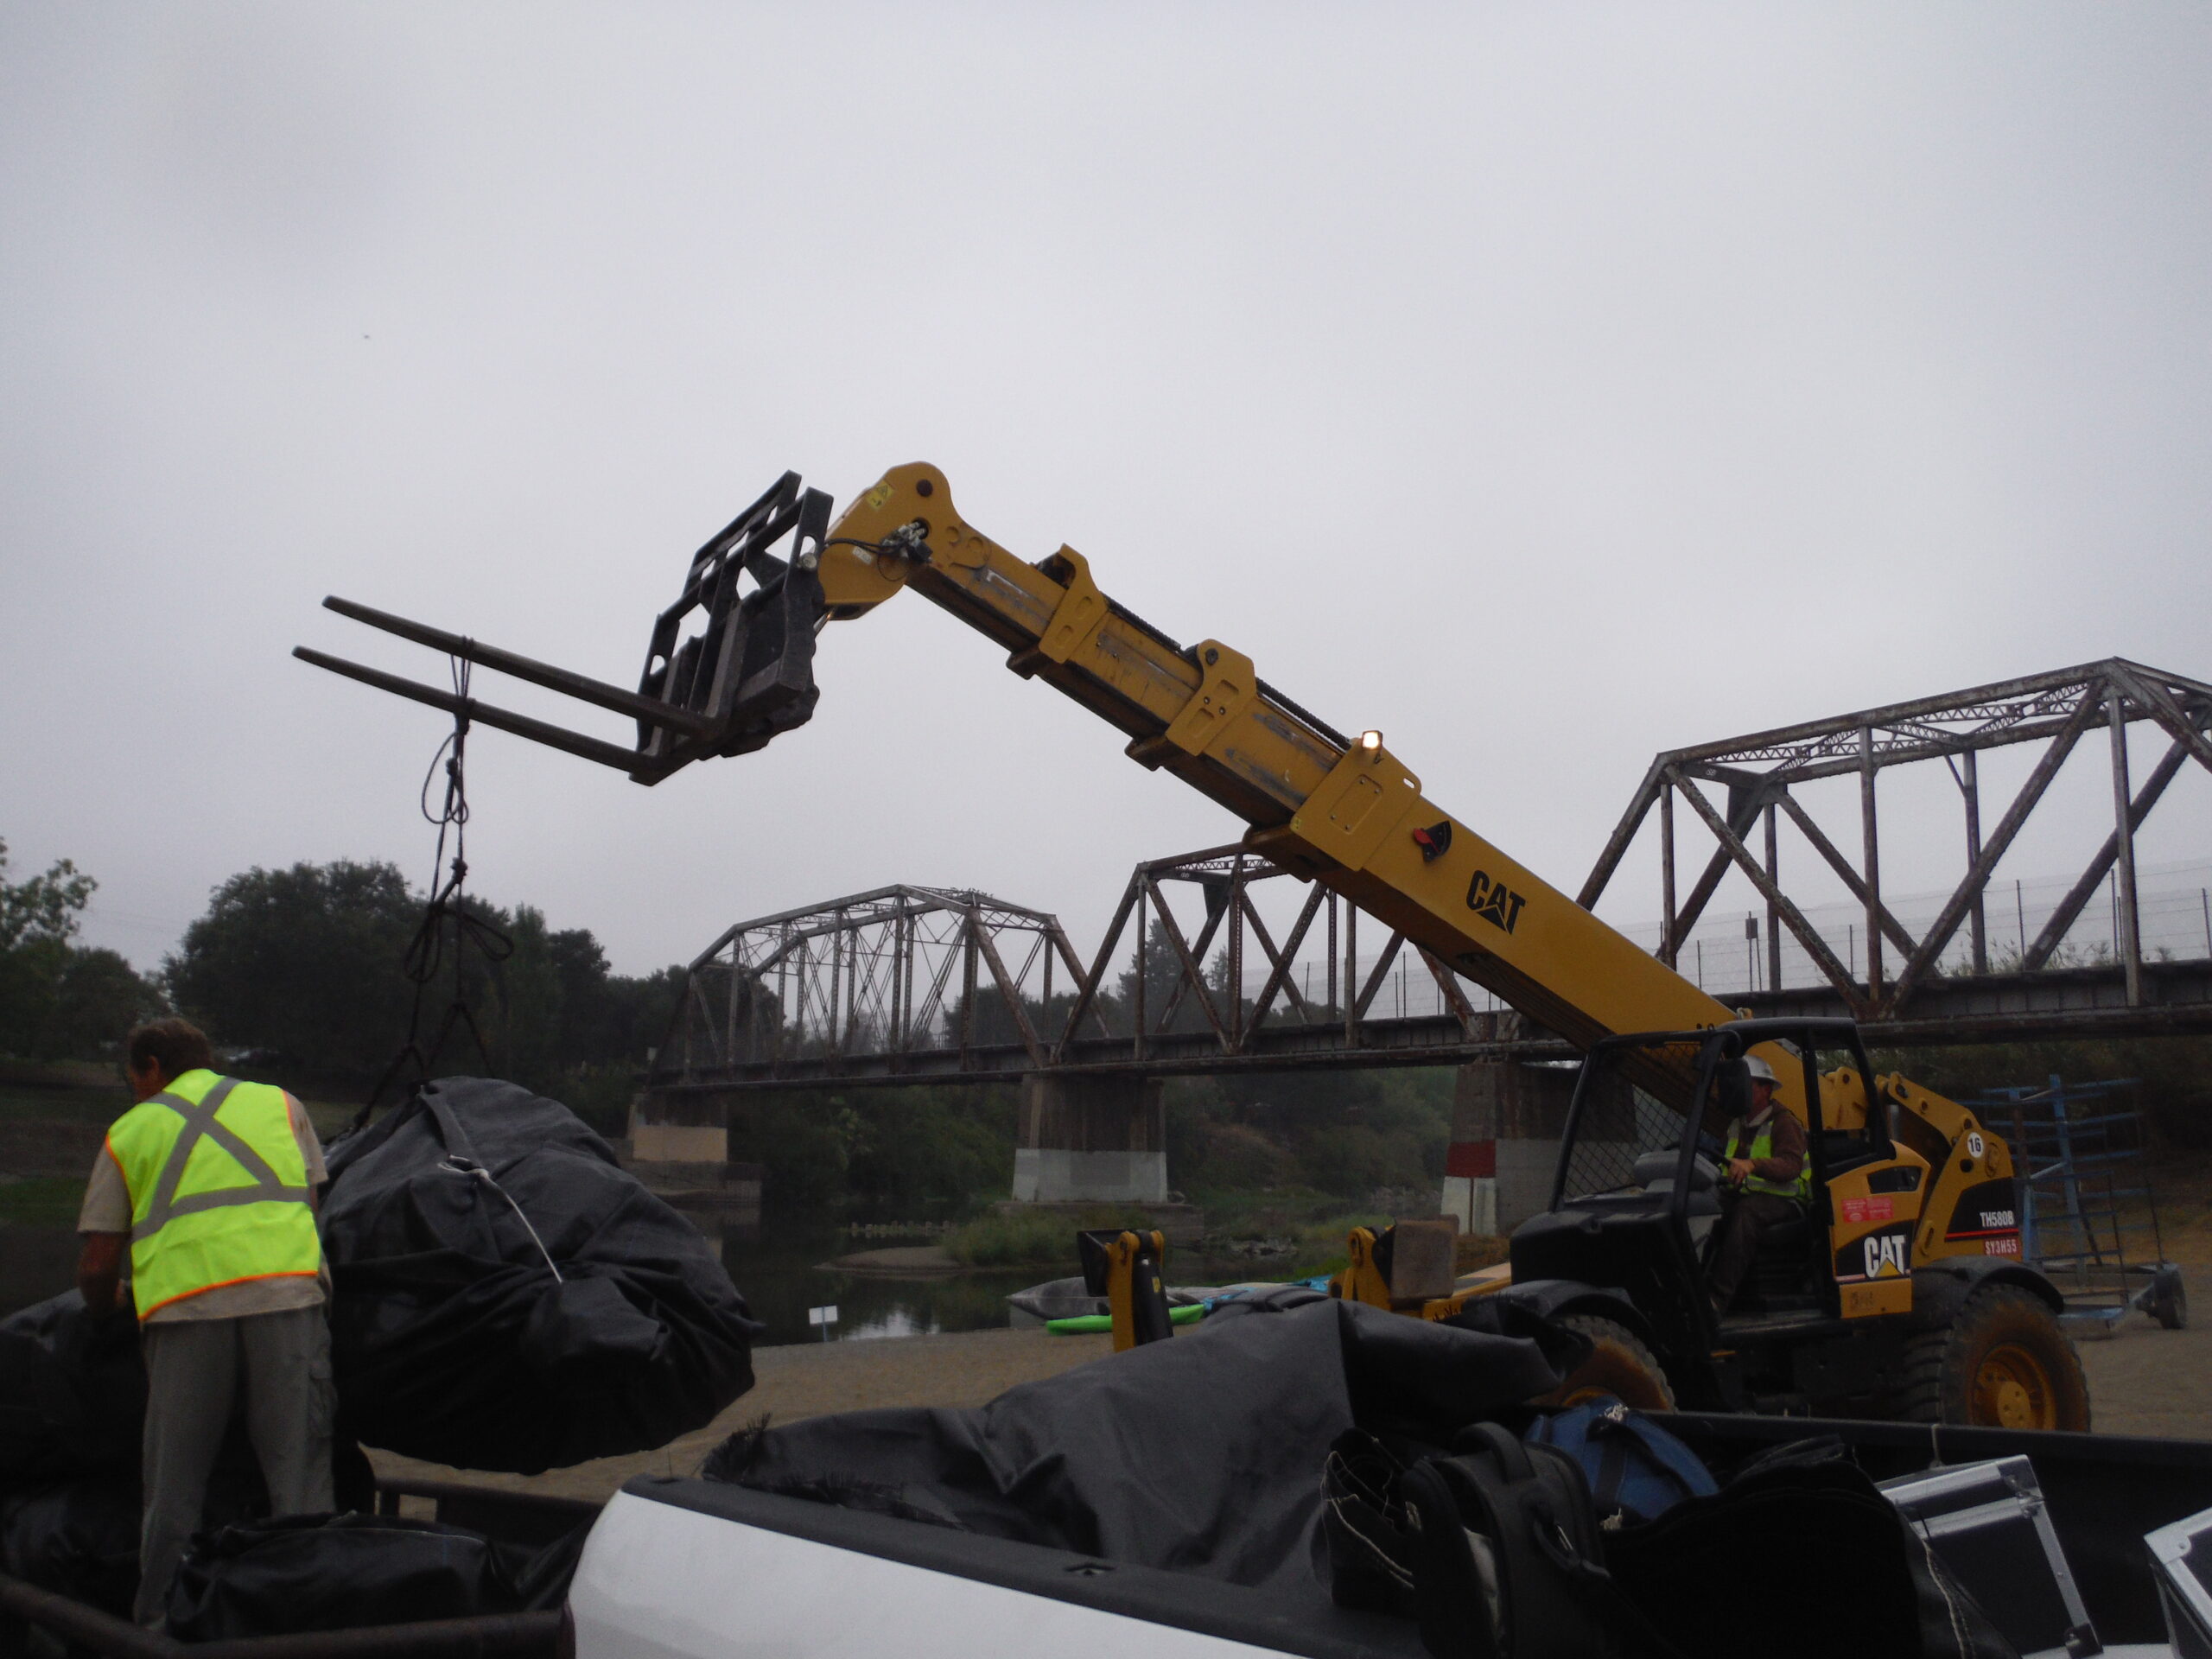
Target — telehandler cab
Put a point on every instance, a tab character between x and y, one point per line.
1901	1291
1898	1294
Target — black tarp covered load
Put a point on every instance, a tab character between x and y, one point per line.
1202	1454
506	1296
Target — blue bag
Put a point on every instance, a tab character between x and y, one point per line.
1636	1469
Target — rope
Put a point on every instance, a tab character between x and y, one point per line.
457	1165
429	951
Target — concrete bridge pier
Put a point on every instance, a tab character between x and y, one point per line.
1088	1139
1506	1121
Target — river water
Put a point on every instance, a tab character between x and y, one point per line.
776	1267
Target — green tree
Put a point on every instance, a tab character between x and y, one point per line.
305	960
45	908
60	1000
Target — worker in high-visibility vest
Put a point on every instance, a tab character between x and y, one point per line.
210	1183
1766	1178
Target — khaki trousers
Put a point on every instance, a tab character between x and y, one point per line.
195	1370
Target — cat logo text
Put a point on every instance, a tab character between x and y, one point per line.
1885	1254
1493	901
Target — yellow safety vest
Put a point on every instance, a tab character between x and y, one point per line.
219	1191
1763	1146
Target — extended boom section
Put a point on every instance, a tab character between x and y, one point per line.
1343	810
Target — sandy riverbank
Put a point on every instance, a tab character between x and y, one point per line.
807	1380
2143	1381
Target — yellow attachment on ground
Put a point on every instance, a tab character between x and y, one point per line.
1123	1266
1362	1281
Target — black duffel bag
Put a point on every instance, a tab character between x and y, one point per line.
301	1572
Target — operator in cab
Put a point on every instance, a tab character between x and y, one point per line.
1766	1178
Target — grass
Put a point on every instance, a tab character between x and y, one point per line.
27	1102
1027	1241
43	1201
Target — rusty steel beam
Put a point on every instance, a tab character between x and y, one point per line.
2038	780
1794	918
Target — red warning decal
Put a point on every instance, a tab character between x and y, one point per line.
1858	1212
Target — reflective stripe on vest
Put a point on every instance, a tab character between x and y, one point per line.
1763	1146
217	1189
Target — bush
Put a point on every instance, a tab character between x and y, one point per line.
1232	1155
1033	1239
1355	1160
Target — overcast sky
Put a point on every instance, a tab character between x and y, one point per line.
1546	386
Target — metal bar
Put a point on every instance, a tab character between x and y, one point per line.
1899	713
729	1040
652	711
1792	918
1870	863
1377	974
1087	983
1617	846
2131	933
1237	906
1206	938
1279	963
1841	865
1978	917
971	930
935	1004
1191	971
1138	1034
1332	951
1670	935
1351	975
834	1028
1447	987
1708	882
2077	897
902	980
485	1635
2031	792
2145	687
483	713
1773	916
1280	975
444	1638
1012	992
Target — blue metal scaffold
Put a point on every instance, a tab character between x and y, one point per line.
2089	1218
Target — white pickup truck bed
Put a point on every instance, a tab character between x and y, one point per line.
694	1569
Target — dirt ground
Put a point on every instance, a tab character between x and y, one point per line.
806	1380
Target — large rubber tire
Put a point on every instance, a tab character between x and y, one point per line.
2003	1364
1619	1364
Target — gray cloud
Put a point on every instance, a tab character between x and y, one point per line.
1544	386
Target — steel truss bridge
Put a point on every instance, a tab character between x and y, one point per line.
905	985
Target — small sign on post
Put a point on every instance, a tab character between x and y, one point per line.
824	1317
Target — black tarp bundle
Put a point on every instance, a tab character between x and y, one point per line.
506	1296
1202	1454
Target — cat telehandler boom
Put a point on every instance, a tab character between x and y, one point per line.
1900	1292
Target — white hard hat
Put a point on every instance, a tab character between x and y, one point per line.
1760	1070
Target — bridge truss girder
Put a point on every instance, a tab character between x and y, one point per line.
1759	772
